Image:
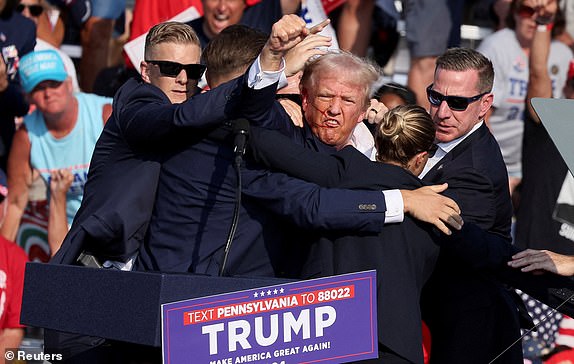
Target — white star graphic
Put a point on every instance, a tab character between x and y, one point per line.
275	291
281	290
255	295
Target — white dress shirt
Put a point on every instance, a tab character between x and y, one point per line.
444	148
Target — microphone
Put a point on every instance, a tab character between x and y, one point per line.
241	132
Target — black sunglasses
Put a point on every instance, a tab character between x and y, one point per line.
194	71
456	103
35	10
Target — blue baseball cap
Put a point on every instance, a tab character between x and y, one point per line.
36	67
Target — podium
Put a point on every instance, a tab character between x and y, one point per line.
113	304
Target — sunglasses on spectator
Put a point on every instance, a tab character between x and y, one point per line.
35	10
524	11
194	71
456	103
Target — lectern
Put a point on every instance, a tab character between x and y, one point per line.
114	304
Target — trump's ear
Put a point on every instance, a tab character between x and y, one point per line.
304	99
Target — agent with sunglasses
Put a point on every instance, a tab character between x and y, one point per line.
148	114
462	306
509	51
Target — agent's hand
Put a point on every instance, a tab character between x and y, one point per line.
538	261
428	205
294	111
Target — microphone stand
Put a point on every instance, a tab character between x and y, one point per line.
241	132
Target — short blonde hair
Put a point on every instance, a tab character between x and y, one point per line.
170	32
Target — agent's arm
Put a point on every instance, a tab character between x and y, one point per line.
275	150
148	116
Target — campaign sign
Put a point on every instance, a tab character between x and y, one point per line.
327	320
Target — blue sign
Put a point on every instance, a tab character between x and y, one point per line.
325	320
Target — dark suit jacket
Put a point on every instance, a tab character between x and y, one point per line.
400	261
403	254
478	181
464	306
122	180
120	191
195	205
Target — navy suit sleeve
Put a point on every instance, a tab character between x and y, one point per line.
478	248
347	168
474	193
311	206
277	151
149	117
